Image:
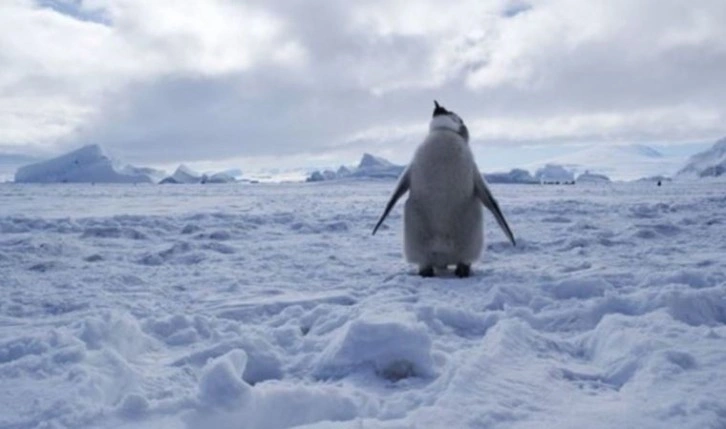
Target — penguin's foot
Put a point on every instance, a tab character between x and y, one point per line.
463	270
426	271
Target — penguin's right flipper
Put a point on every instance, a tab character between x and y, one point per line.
485	195
403	184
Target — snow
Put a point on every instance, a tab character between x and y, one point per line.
393	349
272	306
709	163
85	165
221	382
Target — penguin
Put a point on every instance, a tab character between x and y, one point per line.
443	219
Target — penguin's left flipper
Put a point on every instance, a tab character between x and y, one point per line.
485	196
404	183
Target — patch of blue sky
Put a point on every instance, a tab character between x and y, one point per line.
75	9
515	8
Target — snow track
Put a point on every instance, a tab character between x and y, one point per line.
271	306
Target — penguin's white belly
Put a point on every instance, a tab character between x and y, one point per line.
442	216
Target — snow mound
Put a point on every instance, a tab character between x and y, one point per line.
119	332
221	382
709	163
271	406
85	165
262	363
580	288
393	349
133	406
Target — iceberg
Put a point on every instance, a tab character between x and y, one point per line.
221	177
592	178
85	165
370	166
620	162
554	173
183	174
516	175
709	163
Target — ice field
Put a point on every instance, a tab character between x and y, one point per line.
272	306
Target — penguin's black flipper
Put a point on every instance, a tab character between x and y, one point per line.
404	183
485	195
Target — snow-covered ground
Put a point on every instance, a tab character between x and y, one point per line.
272	306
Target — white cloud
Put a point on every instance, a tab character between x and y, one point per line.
25	120
321	79
58	70
674	123
203	36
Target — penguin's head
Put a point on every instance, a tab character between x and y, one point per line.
446	120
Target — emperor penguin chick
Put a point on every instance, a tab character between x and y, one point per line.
443	220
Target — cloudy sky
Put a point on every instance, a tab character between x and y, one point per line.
300	83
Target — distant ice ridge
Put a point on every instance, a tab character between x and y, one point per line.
618	162
185	175
554	173
85	165
516	175
369	167
89	164
595	164
152	173
592	178
709	163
